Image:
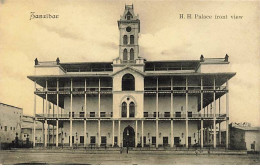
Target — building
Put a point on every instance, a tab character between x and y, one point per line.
10	122
131	101
27	130
244	137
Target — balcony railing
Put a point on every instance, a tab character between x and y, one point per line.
76	89
166	115
78	115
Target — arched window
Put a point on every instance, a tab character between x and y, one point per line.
124	109
125	55
129	15
128	82
132	109
132	39
132	54
125	40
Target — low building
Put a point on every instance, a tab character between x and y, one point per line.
244	137
10	122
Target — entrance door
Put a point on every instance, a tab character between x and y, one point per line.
129	137
165	141
189	141
176	141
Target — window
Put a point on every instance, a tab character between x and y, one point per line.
145	114
103	140
177	141
253	145
132	39
132	54
11	128
177	114
81	139
132	109
5	128
129	15
189	114
92	114
124	109
165	140
154	114
166	114
36	138
102	114
14	128
92	140
24	135
153	140
144	140
111	114
125	55
115	140
81	114
125	41
72	114
128	82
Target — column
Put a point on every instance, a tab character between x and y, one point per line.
142	133
57	98
113	133
85	114
46	95
201	96
136	130
214	115
57	132
186	123
227	113
201	133
172	143
157	113
172	97
99	136
45	134
71	113
119	135
53	126
99	139
219	134
34	114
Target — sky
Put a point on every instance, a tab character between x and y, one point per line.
87	31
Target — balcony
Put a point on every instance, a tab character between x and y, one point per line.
76	115
182	116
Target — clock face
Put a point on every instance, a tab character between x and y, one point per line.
128	29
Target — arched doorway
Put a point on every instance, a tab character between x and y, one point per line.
129	137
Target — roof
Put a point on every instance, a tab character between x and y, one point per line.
10	105
248	128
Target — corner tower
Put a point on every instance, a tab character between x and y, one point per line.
129	28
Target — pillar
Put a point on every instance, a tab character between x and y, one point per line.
172	142
136	130
214	115
46	95
119	134
201	133
172	98
186	123
227	113
57	133
85	114
113	133
219	133
34	114
201	96
142	133
57	98
99	136
45	134
71	113
157	113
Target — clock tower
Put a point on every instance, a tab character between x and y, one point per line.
129	28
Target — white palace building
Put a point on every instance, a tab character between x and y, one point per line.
131	101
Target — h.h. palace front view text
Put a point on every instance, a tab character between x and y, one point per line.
131	101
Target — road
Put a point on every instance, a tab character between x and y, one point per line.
10	157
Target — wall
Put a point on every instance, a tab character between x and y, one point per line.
10	117
250	138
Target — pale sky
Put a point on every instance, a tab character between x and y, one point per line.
87	31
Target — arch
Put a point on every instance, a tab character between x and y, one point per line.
124	110
132	54
128	16
132	109
125	55
132	39
129	137
128	82
125	39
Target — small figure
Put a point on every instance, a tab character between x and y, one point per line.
58	61
36	61
201	58
226	58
